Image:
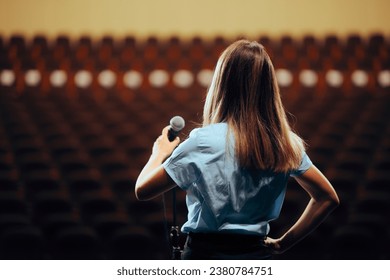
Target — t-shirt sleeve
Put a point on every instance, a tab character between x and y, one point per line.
306	163
182	165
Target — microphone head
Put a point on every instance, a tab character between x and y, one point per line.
177	123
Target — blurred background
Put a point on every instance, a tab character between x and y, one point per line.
86	87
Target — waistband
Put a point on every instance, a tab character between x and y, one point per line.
233	239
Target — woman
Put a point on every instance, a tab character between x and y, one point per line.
236	166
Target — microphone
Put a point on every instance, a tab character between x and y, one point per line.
177	124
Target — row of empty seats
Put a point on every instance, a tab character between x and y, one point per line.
366	51
72	143
184	79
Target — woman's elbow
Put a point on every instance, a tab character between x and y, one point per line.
137	195
140	196
334	201
140	193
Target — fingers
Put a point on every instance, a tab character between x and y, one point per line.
272	245
158	140
176	140
165	130
163	138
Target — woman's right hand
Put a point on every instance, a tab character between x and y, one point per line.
162	147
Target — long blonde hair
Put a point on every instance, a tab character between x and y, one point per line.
244	93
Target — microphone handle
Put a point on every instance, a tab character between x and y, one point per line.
172	134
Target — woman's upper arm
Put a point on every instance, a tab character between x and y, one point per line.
317	185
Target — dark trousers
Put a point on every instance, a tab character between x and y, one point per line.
218	246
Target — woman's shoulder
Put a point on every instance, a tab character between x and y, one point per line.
214	129
210	137
209	133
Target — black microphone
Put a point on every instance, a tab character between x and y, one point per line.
177	124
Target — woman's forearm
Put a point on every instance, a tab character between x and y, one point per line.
313	215
153	180
145	183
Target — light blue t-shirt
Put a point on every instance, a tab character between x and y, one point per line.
221	196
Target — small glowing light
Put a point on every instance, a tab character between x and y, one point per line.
158	78
183	78
384	78
359	78
132	79
7	77
334	78
308	78
32	77
205	77
58	78
284	77
83	79
107	78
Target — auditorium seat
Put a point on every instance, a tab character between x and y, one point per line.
122	183
140	209
375	203
98	147
288	51
12	203
9	175
17	41
39	47
351	164
9	181
73	162
93	204
23	242
378	180
346	185
157	224
84	181
197	50
41	181
377	224
53	223
159	227
34	161
105	50
76	243
353	242
64	147
13	220
375	41
105	224
61	48
50	202
151	51
331	44
174	51
131	243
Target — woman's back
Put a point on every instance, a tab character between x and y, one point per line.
221	195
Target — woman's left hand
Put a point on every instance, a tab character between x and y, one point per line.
273	245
